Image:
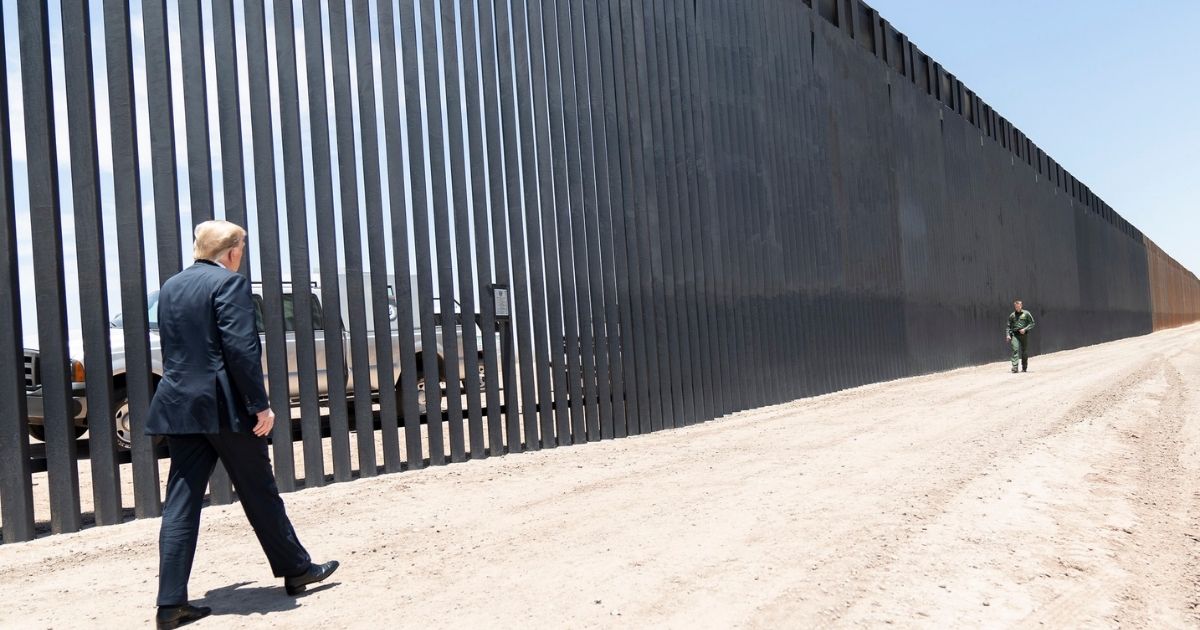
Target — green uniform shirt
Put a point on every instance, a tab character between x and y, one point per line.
1018	321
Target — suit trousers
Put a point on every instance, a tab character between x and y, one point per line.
193	458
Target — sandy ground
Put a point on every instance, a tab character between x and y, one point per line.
1066	497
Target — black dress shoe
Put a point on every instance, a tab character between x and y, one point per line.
316	572
174	616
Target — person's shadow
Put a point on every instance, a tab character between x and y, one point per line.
237	600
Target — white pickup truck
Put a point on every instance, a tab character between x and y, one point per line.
120	413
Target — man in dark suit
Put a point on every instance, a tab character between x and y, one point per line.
211	405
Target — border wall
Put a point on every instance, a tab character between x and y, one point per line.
692	207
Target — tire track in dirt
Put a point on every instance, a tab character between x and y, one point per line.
1097	397
1166	509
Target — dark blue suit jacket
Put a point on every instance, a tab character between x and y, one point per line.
212	362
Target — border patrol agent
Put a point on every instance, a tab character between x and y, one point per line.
1016	333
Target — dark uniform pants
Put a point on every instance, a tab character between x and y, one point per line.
193	458
1020	350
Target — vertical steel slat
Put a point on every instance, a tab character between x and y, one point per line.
720	126
494	54
843	342
429	365
348	210
870	198
625	381
786	70
760	193
331	294
46	226
654	193
816	299
195	110
766	265
672	194
568	393
93	281
405	326
794	249
16	481
873	212
741	201
262	141
897	338
478	49
793	381
528	305
709	239
131	253
609	369
618	48
661	374
687	215
770	17
538	188
582	366
298	244
692	235
659	195
747	193
162	138
682	327
553	412
440	207
649	407
587	78
833	281
667	196
754	188
713	109
808	204
723	178
229	122
682	220
384	371
460	216
711	191
556	230
486	179
800	203
848	196
742	195
765	18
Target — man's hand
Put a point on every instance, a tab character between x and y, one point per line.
1008	337
266	420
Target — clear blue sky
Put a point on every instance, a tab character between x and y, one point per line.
1109	88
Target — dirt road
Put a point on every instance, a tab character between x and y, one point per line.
1063	497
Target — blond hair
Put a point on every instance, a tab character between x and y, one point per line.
214	239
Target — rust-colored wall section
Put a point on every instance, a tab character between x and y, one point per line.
1174	291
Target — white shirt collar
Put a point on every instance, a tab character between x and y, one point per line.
220	265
